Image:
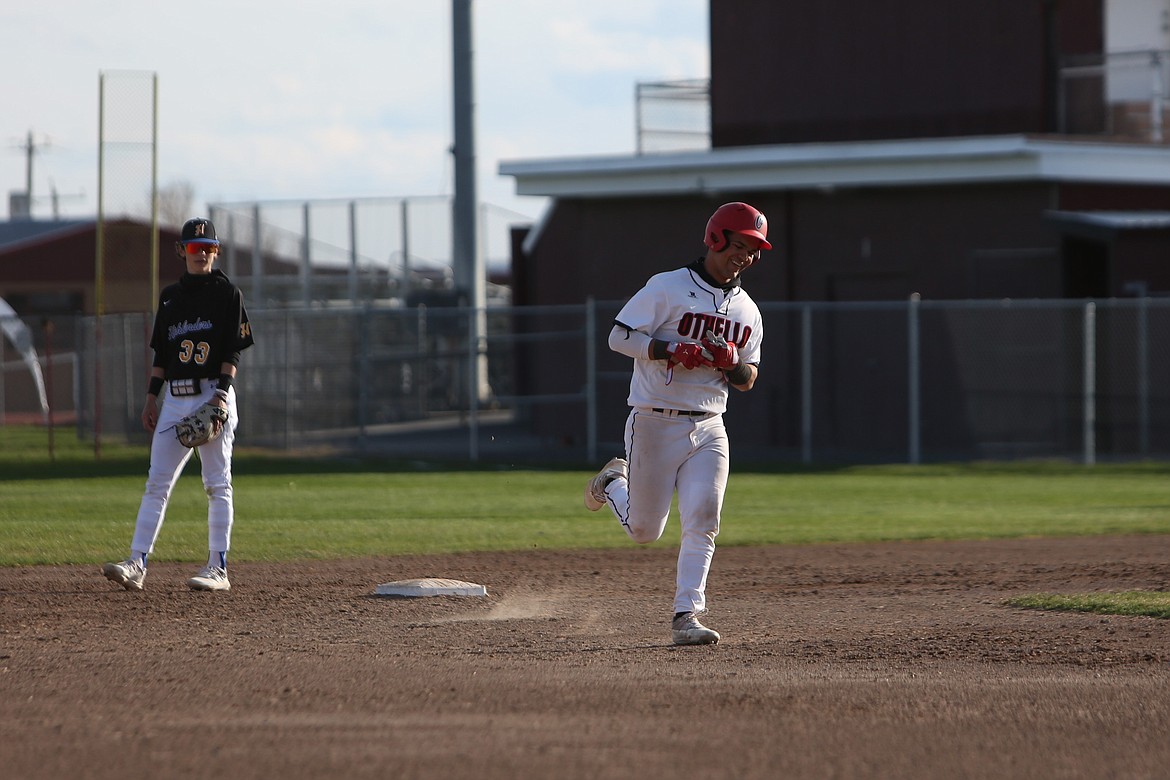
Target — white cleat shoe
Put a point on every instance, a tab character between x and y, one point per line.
130	574
595	497
687	630
210	578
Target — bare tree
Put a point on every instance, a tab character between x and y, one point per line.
175	201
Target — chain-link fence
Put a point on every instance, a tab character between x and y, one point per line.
672	116
348	252
127	182
912	381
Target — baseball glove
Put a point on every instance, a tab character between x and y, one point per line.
202	426
724	356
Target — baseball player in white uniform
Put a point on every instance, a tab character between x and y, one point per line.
692	332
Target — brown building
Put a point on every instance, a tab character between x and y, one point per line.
50	267
948	149
914	148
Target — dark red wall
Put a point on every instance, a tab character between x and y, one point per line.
788	71
983	241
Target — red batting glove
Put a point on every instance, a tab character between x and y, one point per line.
724	355
688	355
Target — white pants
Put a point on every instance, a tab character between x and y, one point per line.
167	459
687	454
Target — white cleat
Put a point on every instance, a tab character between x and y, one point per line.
130	574
687	630
595	497
210	578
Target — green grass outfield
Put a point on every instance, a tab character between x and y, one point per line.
74	508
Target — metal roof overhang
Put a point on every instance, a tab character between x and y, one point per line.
20	234
826	166
1106	225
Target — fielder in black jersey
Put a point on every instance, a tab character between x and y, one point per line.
201	324
200	329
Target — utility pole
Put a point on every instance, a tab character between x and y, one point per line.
56	197
467	257
21	208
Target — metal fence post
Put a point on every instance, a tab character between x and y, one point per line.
1156	96
1143	371
806	412
363	319
129	347
638	119
257	258
1090	383
404	288
915	423
473	384
353	254
306	260
288	378
425	375
591	378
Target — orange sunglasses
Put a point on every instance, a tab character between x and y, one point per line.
195	247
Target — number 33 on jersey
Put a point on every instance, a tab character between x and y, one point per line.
201	322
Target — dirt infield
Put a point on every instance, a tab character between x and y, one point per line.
842	661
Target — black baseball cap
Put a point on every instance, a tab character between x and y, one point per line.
198	229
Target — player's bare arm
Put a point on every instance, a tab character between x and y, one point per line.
150	406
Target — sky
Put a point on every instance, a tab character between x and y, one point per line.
267	100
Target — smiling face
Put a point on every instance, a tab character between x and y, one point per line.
200	256
741	251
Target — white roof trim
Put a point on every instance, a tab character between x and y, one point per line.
804	166
1114	220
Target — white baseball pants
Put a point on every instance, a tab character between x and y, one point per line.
167	459
689	455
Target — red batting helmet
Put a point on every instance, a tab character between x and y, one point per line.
735	218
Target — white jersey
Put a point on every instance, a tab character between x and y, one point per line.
679	305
